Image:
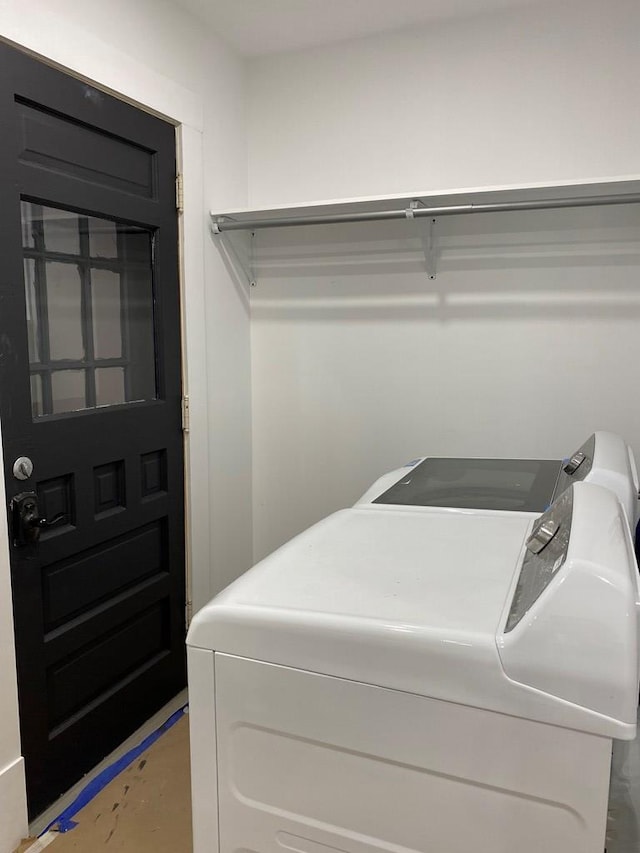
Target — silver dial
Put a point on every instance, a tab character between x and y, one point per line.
542	535
575	462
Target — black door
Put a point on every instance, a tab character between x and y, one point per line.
90	400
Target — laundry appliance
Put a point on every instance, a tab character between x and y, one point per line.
405	678
516	485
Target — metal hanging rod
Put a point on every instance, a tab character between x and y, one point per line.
222	223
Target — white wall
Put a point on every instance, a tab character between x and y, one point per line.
153	53
12	801
535	94
526	342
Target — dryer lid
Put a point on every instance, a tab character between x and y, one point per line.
419	600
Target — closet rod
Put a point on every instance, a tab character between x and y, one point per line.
222	223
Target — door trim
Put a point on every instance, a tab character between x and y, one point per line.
115	73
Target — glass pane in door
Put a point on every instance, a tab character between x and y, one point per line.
36	395
60	230
68	391
32	309
107	313
110	386
64	311
103	238
90	310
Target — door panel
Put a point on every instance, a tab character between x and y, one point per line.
59	144
90	392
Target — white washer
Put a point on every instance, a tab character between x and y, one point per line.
515	485
407	679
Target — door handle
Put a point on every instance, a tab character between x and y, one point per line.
26	522
51	522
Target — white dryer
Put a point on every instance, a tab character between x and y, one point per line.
401	678
515	485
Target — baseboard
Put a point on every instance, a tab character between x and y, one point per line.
40	823
13	806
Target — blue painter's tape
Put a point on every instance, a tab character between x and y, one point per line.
65	822
411	464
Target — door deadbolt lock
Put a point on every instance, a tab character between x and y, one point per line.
26	523
22	468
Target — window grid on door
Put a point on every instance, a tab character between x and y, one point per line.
92	374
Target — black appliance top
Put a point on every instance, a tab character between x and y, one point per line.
519	485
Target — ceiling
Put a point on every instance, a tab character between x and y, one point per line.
257	27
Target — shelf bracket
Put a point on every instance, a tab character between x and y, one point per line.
427	237
429	247
246	264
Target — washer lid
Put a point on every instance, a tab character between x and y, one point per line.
512	485
519	485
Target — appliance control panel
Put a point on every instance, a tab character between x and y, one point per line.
546	551
577	466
